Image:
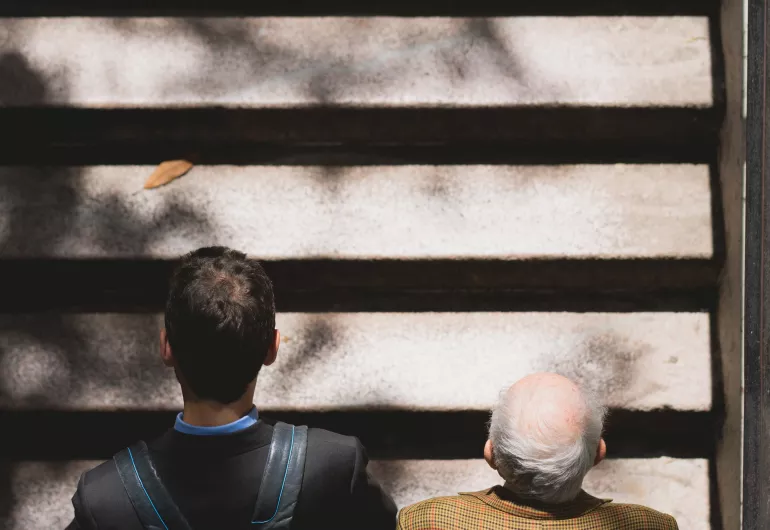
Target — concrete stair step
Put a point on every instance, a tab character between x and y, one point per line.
39	492
268	81
369	361
281	62
376	213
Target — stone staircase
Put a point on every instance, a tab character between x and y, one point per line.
448	197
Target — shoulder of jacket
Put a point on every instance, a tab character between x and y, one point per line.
99	476
436	505
102	481
652	519
322	436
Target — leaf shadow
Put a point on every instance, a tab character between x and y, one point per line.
52	213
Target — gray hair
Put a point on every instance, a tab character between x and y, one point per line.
537	469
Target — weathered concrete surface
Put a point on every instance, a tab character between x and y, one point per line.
37	494
40	492
407	212
277	62
433	361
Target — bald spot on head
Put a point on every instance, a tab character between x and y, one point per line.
548	407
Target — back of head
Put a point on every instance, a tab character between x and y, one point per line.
545	433
220	322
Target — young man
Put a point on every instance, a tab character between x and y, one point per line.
545	435
220	330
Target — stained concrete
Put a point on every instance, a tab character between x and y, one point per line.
426	361
37	494
40	492
373	61
393	212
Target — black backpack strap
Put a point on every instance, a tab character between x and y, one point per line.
282	478
148	495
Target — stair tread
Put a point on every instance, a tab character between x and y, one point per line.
371	62
364	361
365	212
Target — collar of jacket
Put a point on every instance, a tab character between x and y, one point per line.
503	499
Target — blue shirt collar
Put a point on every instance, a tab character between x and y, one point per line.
238	425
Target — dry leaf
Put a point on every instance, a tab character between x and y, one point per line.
166	172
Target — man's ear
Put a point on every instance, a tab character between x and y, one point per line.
272	352
601	452
165	349
489	455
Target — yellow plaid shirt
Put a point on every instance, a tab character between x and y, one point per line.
497	509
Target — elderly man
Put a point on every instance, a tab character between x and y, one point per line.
545	435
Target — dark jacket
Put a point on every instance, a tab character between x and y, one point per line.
214	481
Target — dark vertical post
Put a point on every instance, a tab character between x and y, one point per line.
756	456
